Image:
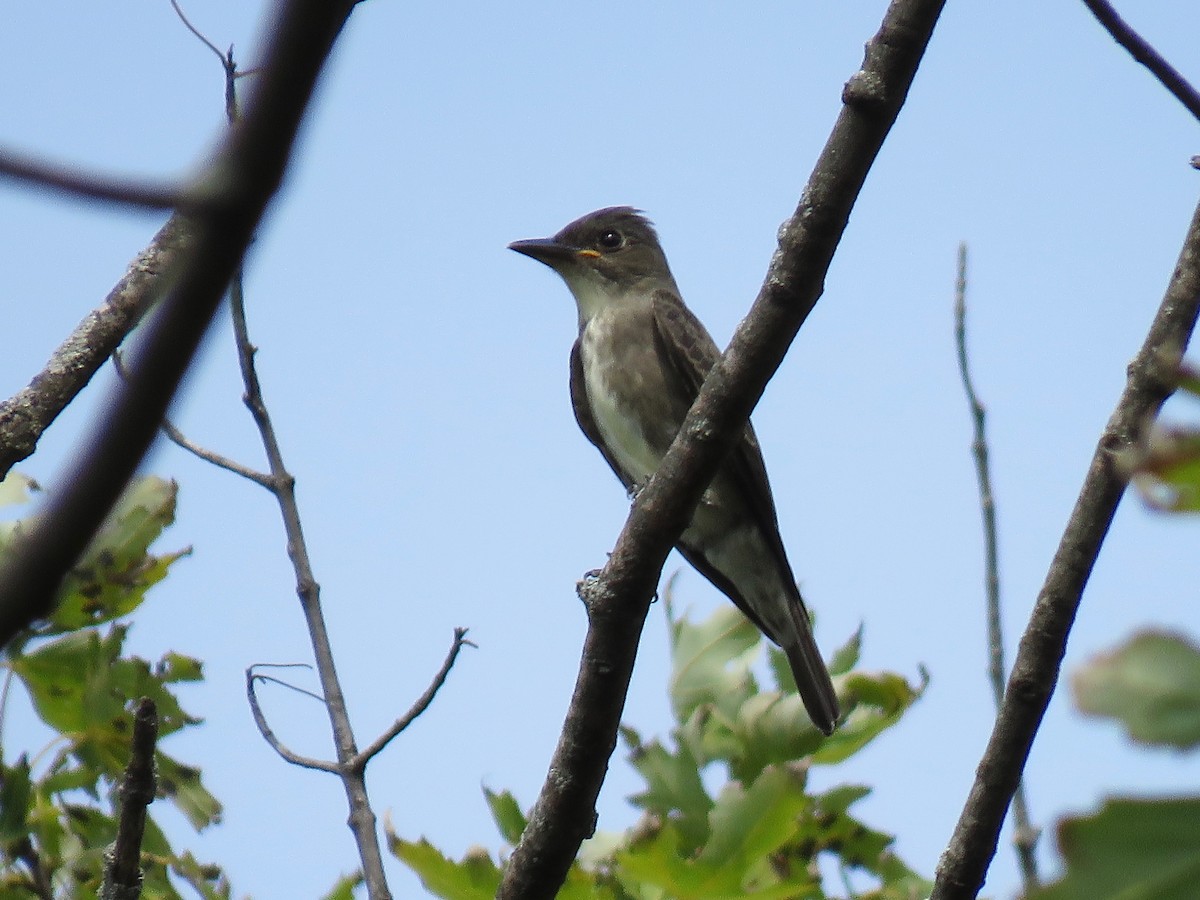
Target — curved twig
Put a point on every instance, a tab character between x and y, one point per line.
306	762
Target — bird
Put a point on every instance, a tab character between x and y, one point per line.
635	369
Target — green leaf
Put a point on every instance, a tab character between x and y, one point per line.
710	662
876	701
507	815
475	878
846	657
343	889
771	729
1131	849
748	825
111	578
16	797
182	786
673	788
1151	684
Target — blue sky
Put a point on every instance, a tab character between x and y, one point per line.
417	371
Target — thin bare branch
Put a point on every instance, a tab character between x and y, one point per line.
1143	52
277	745
177	437
422	703
196	31
122	861
1025	836
247	170
1035	673
619	599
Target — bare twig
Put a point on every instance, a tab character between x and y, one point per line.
28	413
1025	836
1140	49
421	704
227	63
245	174
71	181
619	598
264	728
973	844
196	31
179	439
122	863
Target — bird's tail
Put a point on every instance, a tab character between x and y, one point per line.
808	668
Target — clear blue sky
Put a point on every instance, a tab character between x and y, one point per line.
417	371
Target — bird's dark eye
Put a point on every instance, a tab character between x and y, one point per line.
611	239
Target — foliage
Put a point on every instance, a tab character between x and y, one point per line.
761	833
1138	847
58	805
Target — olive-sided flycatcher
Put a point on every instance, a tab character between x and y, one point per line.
636	368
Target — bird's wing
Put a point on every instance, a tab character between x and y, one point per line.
583	416
693	353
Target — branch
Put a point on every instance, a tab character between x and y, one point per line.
619	598
264	728
31	410
245	174
122	861
460	639
1140	49
67	180
973	844
1026	836
183	442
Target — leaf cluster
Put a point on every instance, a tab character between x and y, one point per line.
59	803
726	809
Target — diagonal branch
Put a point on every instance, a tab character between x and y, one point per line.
247	169
619	598
422	703
1140	49
1035	672
29	412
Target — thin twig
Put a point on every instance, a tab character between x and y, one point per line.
177	437
1140	49
264	728
1025	836
71	181
196	31
421	704
122	864
246	172
619	599
965	861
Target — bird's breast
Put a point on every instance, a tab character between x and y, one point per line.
628	390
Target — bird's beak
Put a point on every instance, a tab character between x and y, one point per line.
546	250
